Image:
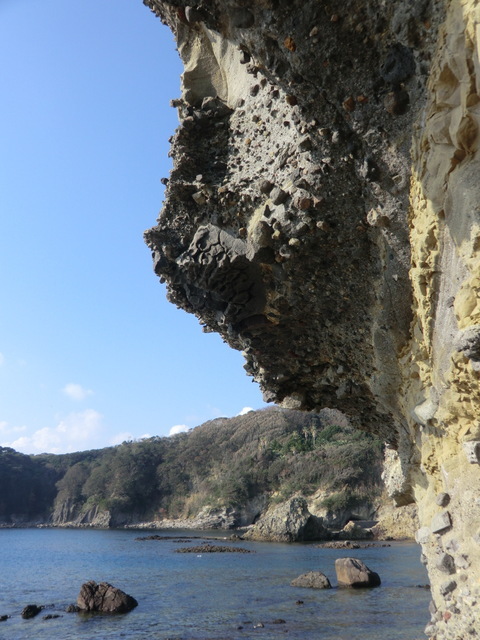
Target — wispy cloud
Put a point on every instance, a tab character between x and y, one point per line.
178	428
76	391
75	432
7	430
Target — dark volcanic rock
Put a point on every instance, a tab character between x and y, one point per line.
30	611
212	548
104	598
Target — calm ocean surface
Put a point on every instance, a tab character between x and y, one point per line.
182	596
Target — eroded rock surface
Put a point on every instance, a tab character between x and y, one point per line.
312	580
104	598
288	522
354	573
322	215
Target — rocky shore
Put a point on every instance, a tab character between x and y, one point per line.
290	521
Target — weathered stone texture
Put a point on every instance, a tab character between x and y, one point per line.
354	573
290	521
322	215
312	580
104	598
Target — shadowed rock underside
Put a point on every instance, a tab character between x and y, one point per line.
322	215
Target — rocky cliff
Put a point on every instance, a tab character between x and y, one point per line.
322	215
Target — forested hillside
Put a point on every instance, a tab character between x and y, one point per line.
222	463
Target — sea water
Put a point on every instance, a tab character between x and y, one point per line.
192	596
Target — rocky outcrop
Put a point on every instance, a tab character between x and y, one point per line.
322	216
354	531
69	513
288	522
396	523
104	598
354	573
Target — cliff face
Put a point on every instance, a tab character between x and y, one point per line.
322	216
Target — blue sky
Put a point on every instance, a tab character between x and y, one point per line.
91	353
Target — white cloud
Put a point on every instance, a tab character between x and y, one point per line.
126	436
5	429
244	411
76	391
118	438
75	432
178	428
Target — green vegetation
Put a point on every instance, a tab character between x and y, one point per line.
27	486
222	463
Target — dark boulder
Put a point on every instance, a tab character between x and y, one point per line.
104	598
352	572
30	611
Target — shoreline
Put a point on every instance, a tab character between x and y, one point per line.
234	534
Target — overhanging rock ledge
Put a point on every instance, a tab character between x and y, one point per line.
323	216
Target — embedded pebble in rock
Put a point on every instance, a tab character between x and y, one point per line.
399	64
446	563
442	499
266	186
448	587
396	102
441	522
278	196
370	305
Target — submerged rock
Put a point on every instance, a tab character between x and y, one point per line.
212	548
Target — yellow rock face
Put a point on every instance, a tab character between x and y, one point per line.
442	384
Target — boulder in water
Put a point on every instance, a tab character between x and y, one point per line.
30	611
104	598
352	572
312	580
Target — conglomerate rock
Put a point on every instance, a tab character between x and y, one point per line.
322	215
